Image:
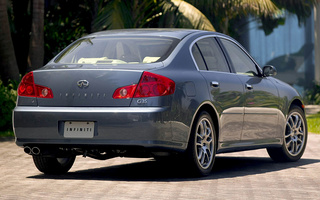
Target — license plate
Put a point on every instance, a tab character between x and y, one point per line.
78	129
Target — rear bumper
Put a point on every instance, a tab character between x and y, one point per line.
125	126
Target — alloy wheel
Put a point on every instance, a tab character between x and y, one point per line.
295	134
204	144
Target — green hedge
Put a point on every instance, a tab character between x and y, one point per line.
8	97
313	95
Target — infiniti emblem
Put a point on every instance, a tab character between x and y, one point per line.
83	83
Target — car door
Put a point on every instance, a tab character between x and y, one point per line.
225	88
261	99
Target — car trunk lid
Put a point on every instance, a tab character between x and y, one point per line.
85	87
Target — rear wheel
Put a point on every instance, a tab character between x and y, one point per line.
295	137
202	145
52	165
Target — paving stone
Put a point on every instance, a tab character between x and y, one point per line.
241	175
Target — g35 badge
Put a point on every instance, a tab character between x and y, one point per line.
142	101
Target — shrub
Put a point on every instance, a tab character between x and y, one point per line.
8	96
313	95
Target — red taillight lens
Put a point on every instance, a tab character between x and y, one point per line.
27	88
125	92
150	85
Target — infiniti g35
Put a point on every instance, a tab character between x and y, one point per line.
161	93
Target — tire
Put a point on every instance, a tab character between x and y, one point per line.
201	150
295	138
52	165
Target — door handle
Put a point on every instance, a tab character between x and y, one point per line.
249	87
214	84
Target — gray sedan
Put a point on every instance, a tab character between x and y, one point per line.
162	93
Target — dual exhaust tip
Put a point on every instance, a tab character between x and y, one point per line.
32	150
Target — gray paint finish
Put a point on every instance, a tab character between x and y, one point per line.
244	119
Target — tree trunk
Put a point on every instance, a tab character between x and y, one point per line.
8	63
95	10
36	48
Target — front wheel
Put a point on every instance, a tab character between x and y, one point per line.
52	165
295	137
202	145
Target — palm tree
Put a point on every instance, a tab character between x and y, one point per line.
226	15
180	14
8	64
36	47
222	15
116	14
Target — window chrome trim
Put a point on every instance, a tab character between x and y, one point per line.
243	49
226	38
193	43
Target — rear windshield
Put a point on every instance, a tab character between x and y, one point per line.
119	50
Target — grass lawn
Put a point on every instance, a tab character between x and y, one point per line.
314	123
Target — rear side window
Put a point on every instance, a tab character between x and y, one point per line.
212	55
118	50
198	58
240	60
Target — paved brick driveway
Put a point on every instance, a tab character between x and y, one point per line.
243	175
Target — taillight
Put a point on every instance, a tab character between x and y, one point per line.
150	85
125	92
28	88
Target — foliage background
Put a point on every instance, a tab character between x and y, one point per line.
8	96
64	21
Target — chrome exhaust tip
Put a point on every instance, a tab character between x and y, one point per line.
35	151
27	150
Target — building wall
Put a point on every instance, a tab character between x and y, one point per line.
290	48
317	42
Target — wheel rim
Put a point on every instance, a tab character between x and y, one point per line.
295	134
204	144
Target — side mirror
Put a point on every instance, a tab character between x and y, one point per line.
269	70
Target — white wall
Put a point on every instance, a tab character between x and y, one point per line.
290	48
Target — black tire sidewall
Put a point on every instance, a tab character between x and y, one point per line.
51	165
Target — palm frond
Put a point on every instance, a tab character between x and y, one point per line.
302	8
258	7
177	13
146	11
114	14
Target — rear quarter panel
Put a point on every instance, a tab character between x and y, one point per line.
190	92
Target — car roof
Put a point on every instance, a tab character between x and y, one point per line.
160	32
